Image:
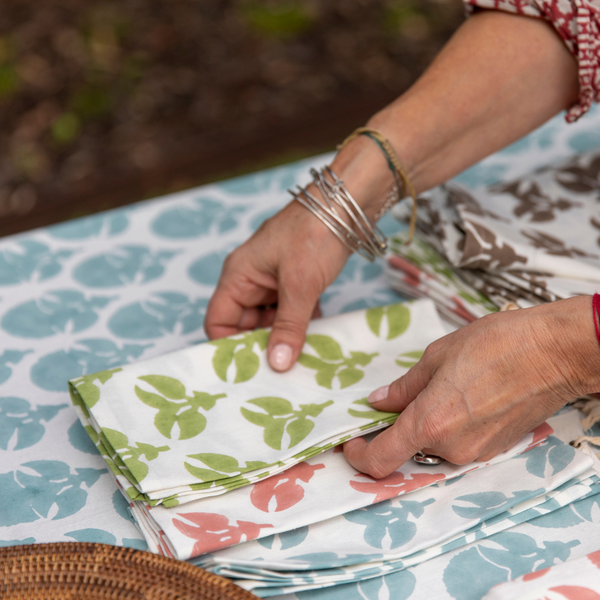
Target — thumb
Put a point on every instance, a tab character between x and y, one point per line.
294	311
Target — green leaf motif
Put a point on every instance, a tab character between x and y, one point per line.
371	413
349	376
219	462
374	318
176	408
167	386
86	388
240	351
279	417
273	406
325	346
331	362
131	453
220	466
409	359
398	320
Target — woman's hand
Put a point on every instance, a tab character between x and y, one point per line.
288	262
477	391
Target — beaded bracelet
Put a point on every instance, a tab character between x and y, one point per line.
395	164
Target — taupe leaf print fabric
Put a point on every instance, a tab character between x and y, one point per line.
528	241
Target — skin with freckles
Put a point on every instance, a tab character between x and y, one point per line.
477	391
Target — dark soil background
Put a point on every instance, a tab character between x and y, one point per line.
106	103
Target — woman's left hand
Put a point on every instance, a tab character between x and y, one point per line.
477	391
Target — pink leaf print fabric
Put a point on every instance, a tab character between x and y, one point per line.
282	492
578	24
214	531
394	484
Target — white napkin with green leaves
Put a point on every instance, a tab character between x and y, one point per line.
214	417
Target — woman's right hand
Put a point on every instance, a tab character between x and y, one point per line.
275	279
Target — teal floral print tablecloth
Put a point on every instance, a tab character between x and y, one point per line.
133	284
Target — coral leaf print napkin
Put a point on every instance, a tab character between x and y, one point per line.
215	417
315	490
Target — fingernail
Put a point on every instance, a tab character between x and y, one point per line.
379	394
281	357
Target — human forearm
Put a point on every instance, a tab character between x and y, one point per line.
500	77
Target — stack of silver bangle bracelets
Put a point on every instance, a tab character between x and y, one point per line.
356	231
341	213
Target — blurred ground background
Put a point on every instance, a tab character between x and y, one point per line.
106	103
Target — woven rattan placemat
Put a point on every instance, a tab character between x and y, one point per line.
74	571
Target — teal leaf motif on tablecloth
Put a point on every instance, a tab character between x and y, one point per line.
184	222
10	357
175	408
383	520
330	362
25	542
29	260
207	269
98	536
552	455
44	489
111	223
52	371
278	417
80	440
21	425
125	265
160	314
121	506
502	557
52	313
239	351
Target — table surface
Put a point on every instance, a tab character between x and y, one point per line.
134	283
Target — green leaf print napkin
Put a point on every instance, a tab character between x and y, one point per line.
214	417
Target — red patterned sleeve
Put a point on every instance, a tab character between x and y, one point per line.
578	24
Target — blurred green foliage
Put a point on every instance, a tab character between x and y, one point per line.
9	81
65	128
278	19
106	90
90	101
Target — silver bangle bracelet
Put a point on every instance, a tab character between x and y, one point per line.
361	236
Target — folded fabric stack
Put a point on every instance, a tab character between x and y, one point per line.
394	533
237	468
212	418
533	240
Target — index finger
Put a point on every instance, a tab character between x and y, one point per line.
229	312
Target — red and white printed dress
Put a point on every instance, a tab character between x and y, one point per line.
578	24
